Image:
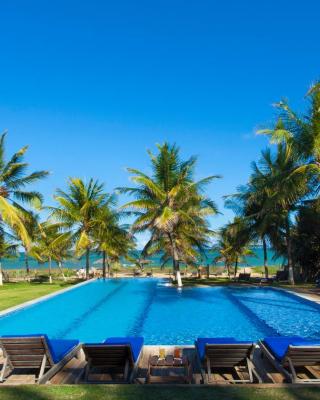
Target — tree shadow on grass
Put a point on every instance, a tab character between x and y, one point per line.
126	392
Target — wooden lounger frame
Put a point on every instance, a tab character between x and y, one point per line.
296	356
111	357
233	355
32	353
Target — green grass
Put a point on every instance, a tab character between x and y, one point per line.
260	270
101	392
12	294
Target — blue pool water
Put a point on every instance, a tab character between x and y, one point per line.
165	315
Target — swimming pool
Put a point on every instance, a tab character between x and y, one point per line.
165	315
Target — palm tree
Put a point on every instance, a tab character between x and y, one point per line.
52	245
30	221
77	210
8	249
112	239
169	203
283	184
248	204
13	181
300	132
233	244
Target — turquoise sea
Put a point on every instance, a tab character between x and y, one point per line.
154	261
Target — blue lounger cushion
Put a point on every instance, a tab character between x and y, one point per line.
136	344
279	345
58	348
201	343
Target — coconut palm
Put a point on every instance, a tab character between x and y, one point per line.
30	221
13	194
112	239
8	249
51	244
283	185
233	244
77	210
169	203
300	132
248	203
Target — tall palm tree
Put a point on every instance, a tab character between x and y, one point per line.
77	210
13	194
51	244
248	203
300	132
112	239
233	244
283	184
170	204
8	249
30	221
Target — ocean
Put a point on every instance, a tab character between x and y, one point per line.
154	261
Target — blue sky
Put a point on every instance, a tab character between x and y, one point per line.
91	85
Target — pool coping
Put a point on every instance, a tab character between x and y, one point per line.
43	298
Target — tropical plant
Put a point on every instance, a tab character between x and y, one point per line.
284	184
300	132
30	221
111	238
51	244
13	194
306	240
78	209
8	249
248	203
170	204
233	244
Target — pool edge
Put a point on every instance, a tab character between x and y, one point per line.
43	298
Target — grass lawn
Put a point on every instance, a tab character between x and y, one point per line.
126	392
12	294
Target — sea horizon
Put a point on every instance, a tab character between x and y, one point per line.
154	261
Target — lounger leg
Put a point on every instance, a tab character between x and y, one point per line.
250	370
208	371
253	371
87	371
126	371
135	367
293	375
43	366
3	371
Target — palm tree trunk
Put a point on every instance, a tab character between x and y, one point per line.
1	278
175	259
50	278
289	252
228	269
87	262
265	258
236	267
61	270
108	265
104	272
26	261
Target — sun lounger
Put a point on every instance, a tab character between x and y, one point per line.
115	355
288	354
36	352
244	277
226	353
